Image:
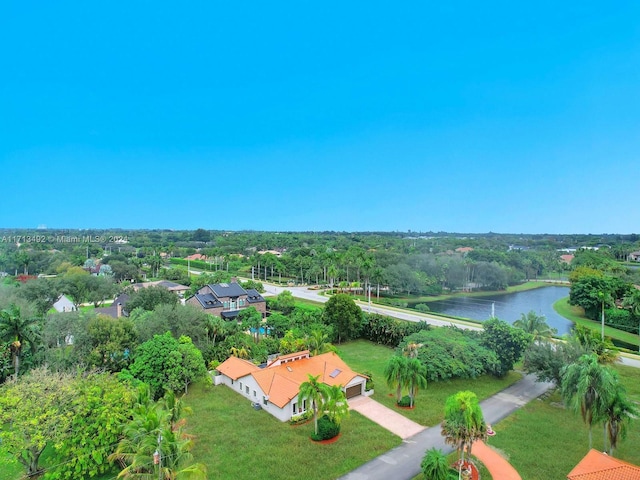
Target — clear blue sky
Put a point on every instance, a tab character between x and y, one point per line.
512	117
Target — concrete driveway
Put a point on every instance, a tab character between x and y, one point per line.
385	417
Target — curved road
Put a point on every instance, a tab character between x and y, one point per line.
314	295
403	462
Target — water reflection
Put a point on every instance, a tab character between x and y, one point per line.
509	306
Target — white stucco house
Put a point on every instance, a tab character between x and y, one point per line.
63	304
275	387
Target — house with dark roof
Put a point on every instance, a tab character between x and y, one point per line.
276	385
116	310
226	300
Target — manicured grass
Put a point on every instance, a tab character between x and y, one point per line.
362	355
236	441
576	315
545	440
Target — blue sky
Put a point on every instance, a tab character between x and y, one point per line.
350	116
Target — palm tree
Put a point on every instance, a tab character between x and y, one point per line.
536	325
319	342
317	393
415	377
435	465
18	331
463	422
394	374
152	447
587	387
336	406
632	302
618	413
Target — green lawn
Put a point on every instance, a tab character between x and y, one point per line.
576	315
236	441
545	440
362	355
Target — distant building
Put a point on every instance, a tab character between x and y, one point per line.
63	304
171	286
116	310
567	258
464	249
226	300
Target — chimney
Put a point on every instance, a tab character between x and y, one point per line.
118	310
234	279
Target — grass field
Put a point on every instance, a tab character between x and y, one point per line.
544	440
235	441
362	355
576	315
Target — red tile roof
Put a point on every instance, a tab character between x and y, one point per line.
282	382
600	466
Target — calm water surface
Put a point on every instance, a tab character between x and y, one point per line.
509	307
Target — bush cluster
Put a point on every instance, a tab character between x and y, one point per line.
405	401
326	429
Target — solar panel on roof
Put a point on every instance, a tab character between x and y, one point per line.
335	373
226	285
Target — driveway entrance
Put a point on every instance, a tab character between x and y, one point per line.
385	417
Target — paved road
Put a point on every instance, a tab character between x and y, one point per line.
314	295
403	462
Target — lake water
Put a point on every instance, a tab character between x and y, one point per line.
509	306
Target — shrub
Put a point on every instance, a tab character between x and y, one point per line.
326	429
405	401
369	385
422	307
302	418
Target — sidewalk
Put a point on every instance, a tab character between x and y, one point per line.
403	462
385	417
495	463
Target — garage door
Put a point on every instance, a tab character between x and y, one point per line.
354	391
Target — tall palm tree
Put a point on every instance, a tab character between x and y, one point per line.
18	331
336	406
587	387
415	377
317	393
536	325
617	414
394	374
463	422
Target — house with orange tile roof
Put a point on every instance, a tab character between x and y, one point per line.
600	466
275	386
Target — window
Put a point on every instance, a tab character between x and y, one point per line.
295	408
254	393
240	303
240	386
265	401
247	389
226	304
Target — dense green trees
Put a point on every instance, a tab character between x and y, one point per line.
507	342
450	352
342	313
80	416
150	297
164	363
